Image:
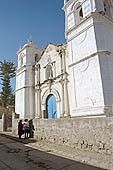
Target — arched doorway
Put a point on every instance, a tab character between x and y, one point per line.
51	111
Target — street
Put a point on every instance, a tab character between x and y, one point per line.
15	155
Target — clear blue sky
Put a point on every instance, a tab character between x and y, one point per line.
42	19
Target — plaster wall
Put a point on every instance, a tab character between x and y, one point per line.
29	103
19	102
90	66
103	28
29	76
31	53
25	80
20	80
106	66
81	43
86	94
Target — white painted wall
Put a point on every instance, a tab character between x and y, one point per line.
19	100
86	87
90	66
25	80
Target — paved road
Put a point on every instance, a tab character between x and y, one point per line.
15	155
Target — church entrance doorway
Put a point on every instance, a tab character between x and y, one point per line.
51	111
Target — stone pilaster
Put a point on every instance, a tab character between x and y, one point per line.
63	107
4	125
38	113
66	97
64	83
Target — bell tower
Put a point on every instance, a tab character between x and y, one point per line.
25	80
89	35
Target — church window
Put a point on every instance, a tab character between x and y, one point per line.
81	14
107	8
21	61
78	14
104	7
49	72
36	58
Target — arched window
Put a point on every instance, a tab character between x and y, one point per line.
36	58
78	14
21	60
49	72
107	8
81	14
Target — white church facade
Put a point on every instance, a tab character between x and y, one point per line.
71	79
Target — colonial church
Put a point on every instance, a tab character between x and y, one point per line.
74	79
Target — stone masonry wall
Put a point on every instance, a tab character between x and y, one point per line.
92	134
88	136
3	110
0	125
6	118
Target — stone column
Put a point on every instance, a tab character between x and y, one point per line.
36	105
64	82
37	68
66	97
38	94
64	60
63	108
13	121
39	103
4	126
38	113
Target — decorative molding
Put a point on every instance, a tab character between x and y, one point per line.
90	56
47	93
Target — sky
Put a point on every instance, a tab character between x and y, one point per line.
43	20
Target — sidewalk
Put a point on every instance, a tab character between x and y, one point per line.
90	158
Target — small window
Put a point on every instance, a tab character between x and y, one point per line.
107	8
49	72
21	61
81	14
36	58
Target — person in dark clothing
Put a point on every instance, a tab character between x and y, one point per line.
20	127
31	129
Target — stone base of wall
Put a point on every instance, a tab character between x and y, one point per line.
91	135
88	135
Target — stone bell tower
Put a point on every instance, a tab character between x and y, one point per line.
25	80
89	34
